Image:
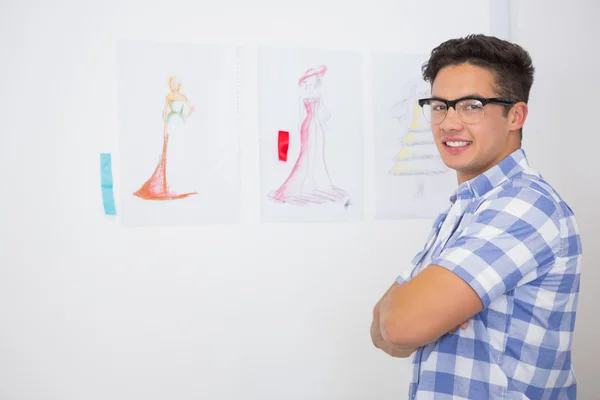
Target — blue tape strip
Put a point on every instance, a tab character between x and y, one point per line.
108	197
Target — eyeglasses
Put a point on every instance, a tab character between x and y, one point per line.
469	109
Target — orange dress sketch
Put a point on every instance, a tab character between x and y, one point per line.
162	184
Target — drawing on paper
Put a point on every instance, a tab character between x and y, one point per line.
311	131
411	178
166	182
418	154
309	180
178	135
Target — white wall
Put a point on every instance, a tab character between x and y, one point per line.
561	139
91	310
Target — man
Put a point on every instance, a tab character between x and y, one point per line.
503	261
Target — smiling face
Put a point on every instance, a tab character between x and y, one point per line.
471	149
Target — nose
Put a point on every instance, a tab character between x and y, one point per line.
451	122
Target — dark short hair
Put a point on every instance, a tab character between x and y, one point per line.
509	63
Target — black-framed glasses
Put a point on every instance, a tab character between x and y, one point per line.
469	109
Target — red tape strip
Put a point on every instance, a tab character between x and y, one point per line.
283	143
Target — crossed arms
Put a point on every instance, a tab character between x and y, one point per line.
417	312
511	240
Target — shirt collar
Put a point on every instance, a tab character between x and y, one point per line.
493	177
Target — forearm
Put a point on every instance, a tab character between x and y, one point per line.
435	302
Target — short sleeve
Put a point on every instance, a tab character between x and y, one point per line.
512	239
405	275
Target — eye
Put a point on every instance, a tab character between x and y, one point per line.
436	106
471	106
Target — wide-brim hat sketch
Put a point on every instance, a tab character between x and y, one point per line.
318	72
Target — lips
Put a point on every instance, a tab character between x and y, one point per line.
456	145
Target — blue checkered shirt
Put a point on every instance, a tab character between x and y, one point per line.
512	238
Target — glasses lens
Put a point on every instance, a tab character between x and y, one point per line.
435	111
427	112
470	110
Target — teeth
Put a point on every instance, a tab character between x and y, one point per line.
457	144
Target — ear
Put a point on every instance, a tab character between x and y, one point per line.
517	116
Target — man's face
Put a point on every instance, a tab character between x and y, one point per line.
488	141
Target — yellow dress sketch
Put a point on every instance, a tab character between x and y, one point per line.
418	155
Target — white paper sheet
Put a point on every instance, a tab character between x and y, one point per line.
411	179
160	140
322	178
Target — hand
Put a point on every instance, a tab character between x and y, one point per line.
463	326
397	352
380	343
191	110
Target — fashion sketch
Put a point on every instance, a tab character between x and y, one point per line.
418	155
167	182
309	180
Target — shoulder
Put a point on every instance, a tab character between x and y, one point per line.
525	194
527	207
519	210
174	96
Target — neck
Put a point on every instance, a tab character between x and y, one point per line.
464	176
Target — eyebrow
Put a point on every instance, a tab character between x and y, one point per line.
461	97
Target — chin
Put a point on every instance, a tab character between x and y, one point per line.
454	162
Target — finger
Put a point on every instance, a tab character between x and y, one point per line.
464	325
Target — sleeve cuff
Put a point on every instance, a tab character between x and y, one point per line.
469	279
400	280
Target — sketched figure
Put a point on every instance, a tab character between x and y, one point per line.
166	181
418	154
309	181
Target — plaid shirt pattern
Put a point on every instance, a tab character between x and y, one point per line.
511	237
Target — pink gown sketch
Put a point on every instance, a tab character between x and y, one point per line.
309	181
